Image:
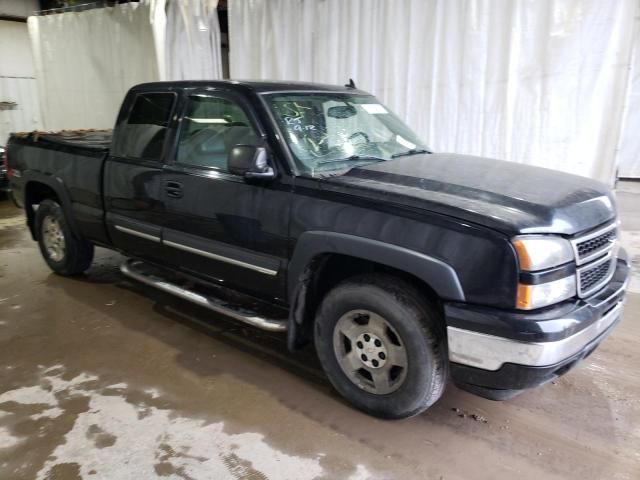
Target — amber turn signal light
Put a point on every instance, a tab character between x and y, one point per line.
523	256
524	295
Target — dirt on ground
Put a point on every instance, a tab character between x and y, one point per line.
104	378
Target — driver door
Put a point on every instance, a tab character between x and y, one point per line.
222	228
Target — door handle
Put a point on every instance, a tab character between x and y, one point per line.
174	189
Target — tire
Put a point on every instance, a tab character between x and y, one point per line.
65	253
356	306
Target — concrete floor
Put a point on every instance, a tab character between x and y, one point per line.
103	378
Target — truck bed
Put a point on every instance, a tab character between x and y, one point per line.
71	162
76	140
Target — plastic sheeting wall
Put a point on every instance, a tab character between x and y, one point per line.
629	153
17	81
193	45
86	61
537	82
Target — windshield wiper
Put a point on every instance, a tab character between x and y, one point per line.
413	151
351	159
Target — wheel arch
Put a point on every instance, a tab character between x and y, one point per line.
39	187
321	259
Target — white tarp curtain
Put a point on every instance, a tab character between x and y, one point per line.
540	82
193	40
86	61
17	81
629	153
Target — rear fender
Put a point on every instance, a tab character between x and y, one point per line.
31	180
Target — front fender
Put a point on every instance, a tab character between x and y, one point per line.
440	276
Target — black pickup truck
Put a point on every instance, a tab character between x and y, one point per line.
312	209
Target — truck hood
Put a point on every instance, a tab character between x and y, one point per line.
509	197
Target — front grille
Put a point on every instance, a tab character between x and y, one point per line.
596	258
587	248
595	244
596	275
593	276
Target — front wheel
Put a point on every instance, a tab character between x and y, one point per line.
382	346
64	253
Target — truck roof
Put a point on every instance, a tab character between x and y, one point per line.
99	141
247	85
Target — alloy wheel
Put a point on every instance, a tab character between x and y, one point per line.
370	352
53	238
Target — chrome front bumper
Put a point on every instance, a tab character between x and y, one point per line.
490	352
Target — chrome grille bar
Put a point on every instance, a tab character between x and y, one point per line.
602	232
585	291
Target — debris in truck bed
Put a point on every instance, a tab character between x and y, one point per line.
90	137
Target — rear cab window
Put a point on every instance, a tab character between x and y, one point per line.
142	135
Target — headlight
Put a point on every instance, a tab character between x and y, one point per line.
537	252
543	294
537	255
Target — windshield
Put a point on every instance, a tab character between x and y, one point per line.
330	133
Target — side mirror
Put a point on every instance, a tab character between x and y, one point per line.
250	162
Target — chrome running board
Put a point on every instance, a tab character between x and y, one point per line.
135	269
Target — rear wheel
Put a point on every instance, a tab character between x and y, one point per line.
381	345
65	253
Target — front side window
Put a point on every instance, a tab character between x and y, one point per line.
144	133
329	133
211	127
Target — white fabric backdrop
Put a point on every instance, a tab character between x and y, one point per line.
540	82
629	153
17	81
86	61
193	40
